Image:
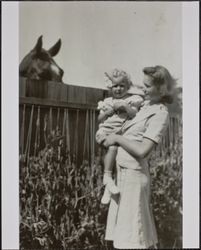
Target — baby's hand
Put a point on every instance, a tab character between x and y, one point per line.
104	106
105	113
121	105
109	111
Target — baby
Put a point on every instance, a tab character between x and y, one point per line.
114	111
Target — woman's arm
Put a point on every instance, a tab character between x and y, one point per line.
157	125
135	148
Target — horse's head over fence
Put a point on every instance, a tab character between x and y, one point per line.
39	63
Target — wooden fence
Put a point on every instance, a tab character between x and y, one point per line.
48	106
71	111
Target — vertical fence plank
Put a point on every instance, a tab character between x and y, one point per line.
37	133
68	134
50	120
75	148
22	131
28	143
85	145
64	123
58	120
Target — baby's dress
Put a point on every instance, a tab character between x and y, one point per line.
114	123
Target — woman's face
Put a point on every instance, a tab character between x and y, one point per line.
151	90
119	89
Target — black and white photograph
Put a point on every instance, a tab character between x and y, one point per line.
100	126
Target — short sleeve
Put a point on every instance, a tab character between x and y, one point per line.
100	105
156	126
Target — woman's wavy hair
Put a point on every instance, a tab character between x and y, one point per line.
162	79
116	75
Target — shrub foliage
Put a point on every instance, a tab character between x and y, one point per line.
60	202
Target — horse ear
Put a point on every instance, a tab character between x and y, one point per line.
55	49
39	44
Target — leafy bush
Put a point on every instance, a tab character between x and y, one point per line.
166	172
60	202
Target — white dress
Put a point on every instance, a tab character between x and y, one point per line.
130	221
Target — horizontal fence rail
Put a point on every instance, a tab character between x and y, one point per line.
47	92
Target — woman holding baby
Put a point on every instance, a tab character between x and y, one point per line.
130	223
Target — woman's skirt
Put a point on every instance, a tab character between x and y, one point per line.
130	221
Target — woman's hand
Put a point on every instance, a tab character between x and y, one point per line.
110	140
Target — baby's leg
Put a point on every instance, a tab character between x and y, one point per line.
110	188
109	161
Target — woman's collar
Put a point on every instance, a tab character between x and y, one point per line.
152	103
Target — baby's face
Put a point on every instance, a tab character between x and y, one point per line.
119	89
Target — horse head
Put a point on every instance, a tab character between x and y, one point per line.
39	63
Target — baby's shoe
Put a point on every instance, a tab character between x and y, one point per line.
112	187
108	181
107	177
106	196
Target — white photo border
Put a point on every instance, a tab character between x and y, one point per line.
10	132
